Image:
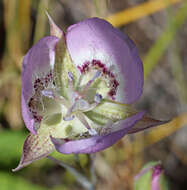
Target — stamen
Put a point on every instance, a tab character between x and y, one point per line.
71	90
50	93
68	114
98	98
82	119
80	104
97	74
92	132
70	76
69	118
83	105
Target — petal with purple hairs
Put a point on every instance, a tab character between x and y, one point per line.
37	62
97	39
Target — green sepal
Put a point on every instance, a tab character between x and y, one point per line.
63	65
151	164
164	185
144	182
109	110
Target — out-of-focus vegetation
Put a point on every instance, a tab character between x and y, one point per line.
159	28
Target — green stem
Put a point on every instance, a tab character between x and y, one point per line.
96	3
79	177
178	73
92	169
41	20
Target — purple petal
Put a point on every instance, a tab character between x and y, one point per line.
37	62
96	143
96	39
35	147
144	123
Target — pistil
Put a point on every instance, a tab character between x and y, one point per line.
76	104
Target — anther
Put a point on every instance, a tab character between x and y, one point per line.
71	89
92	132
48	93
97	74
80	104
98	98
52	94
69	117
83	120
70	76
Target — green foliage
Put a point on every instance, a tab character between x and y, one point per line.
162	44
10	181
11	144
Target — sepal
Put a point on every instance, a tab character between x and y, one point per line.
35	147
54	29
151	177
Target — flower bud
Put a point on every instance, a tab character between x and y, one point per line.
151	177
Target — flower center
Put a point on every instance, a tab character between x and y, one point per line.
76	104
95	83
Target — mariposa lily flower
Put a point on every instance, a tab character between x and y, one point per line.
72	84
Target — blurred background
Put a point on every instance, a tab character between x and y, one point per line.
159	29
